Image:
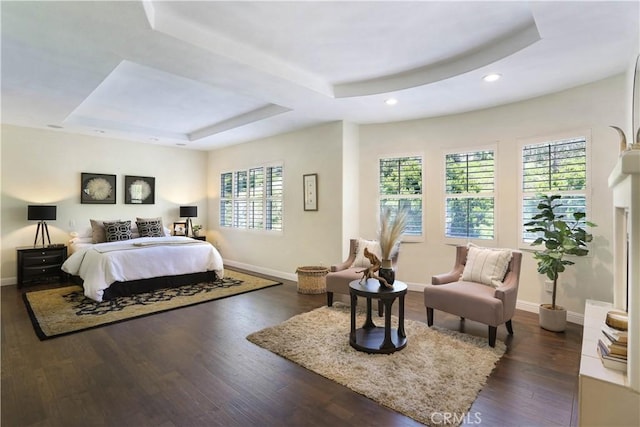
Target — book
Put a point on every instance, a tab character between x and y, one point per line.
615	335
613	349
612	363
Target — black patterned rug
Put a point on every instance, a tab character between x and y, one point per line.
61	311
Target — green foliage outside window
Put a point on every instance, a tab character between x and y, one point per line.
401	190
469	188
558	167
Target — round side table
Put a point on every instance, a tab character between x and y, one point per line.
371	338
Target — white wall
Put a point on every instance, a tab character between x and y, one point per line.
44	167
308	237
592	107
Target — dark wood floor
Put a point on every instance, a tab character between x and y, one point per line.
194	367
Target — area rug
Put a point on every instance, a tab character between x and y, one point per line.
433	380
61	311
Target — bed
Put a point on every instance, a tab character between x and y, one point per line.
139	264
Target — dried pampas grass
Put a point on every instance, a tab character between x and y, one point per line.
391	229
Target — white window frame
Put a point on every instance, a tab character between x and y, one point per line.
265	199
405	237
470	150
586	135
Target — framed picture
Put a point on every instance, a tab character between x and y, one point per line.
180	228
97	188
139	190
310	187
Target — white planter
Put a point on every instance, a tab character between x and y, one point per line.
553	320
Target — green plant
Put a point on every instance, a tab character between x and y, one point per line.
560	238
196	228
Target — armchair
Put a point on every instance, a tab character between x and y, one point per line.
480	302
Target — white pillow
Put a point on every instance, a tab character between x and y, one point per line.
486	265
361	261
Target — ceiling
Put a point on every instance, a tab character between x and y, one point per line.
207	74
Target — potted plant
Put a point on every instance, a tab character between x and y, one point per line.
196	230
560	237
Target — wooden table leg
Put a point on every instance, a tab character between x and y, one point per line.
401	332
354	303
368	324
387	343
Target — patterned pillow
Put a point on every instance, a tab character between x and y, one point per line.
485	265
150	227
117	230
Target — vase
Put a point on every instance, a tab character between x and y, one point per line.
387	272
553	320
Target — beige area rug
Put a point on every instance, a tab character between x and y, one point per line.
433	380
62	311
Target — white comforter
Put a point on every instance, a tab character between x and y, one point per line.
101	264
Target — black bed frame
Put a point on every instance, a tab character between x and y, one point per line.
120	289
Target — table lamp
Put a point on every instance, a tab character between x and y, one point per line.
188	212
41	213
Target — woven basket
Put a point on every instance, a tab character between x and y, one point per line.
311	279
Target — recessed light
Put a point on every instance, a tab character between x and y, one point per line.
98	131
492	77
391	101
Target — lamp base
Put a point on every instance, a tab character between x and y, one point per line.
188	226
42	227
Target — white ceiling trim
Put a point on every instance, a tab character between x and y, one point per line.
239	121
163	20
490	52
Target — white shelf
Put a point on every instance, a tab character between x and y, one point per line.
605	396
590	365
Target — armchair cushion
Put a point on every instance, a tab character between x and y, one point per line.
486	265
361	261
470	300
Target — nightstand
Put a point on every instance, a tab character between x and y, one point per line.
36	263
203	238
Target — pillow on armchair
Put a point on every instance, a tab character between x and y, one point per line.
486	265
361	261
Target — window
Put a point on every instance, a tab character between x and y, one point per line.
556	167
401	188
469	201
252	199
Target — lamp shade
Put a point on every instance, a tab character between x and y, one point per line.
188	211
41	212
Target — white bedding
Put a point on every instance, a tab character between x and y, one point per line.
101	264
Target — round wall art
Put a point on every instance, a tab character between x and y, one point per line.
98	188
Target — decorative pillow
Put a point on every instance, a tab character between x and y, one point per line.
150	227
98	233
117	230
361	261
157	218
486	265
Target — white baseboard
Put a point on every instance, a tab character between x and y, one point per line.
269	272
9	281
532	307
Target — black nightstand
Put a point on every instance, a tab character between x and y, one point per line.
37	263
203	238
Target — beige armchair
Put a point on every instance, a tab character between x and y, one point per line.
340	275
480	302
